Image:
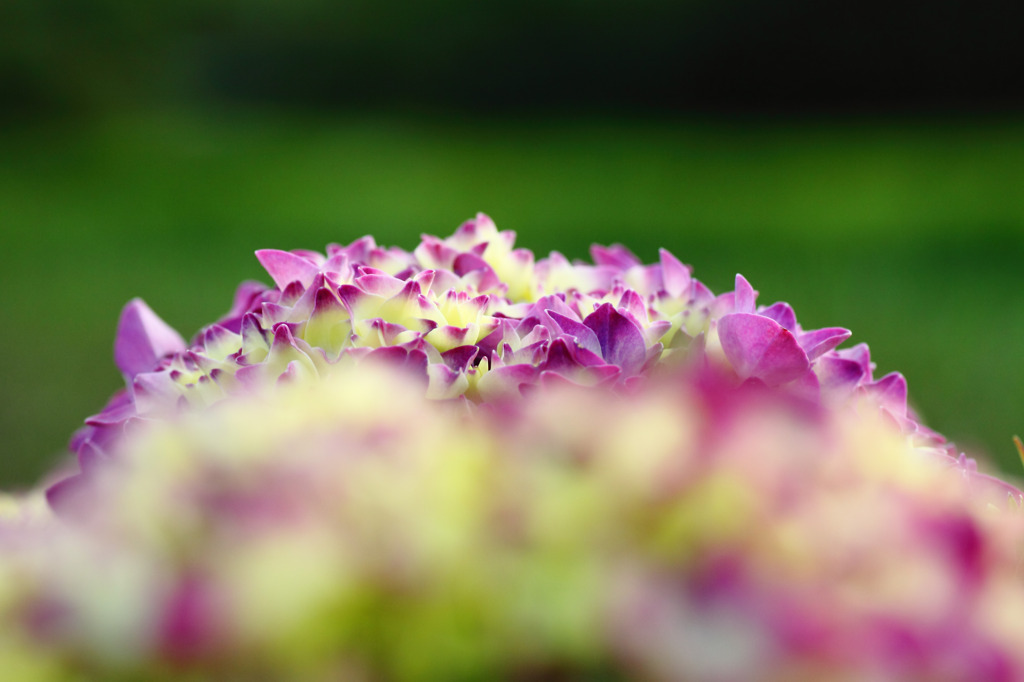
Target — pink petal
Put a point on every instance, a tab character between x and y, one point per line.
142	339
745	296
891	393
285	267
781	313
622	342
759	347
675	275
616	255
821	341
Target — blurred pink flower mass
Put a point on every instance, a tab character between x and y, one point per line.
461	462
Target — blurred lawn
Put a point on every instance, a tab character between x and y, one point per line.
910	235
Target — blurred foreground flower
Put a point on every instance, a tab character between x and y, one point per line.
459	463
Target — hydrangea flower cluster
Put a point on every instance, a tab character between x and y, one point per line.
462	463
479	320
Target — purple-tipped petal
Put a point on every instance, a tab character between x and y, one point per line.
103	436
581	333
218	342
489	344
68	496
467	263
820	341
656	330
470	227
285	268
329	326
675	275
540	314
838	376
284	349
283	336
506	382
565	357
781	313
291	373
337	267
142	339
328	303
622	342
536	336
414	361
633	304
616	255
437	282
360	304
700	294
357	252
90	457
292	293
891	393
273	314
254	339
432	253
380	284
248	296
460	358
116	411
862	356
314	257
760	347
155	393
745	295
303	306
445	384
653	356
447	337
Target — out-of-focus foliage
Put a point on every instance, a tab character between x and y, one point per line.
909	234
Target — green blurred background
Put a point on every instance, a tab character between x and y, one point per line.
864	163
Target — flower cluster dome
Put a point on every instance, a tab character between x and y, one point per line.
461	462
480	320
